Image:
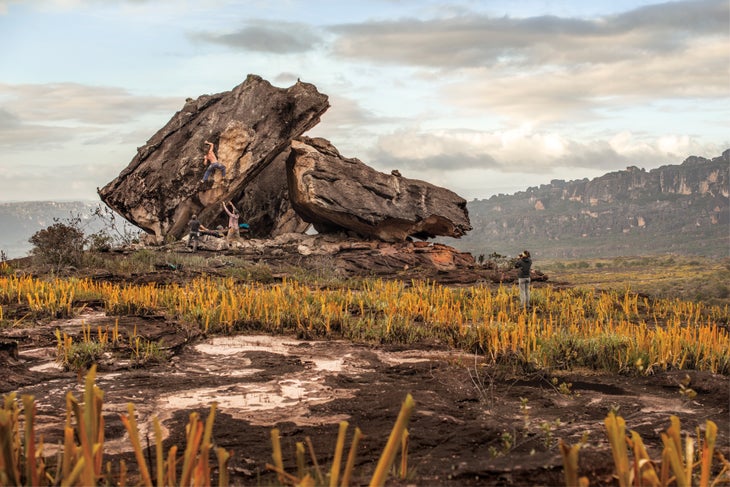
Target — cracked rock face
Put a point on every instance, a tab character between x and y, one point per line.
250	126
280	181
336	193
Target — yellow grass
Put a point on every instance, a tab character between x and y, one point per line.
675	460
613	330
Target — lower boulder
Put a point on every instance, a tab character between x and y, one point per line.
338	194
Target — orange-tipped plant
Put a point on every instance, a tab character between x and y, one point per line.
350	465
570	465
339	448
398	437
391	447
675	459
605	329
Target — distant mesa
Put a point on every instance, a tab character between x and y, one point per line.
682	209
280	181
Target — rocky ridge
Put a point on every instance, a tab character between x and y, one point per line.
674	208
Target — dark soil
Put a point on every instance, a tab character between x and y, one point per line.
472	425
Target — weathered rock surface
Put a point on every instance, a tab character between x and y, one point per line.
282	182
250	126
345	256
336	193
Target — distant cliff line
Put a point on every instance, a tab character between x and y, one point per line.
681	209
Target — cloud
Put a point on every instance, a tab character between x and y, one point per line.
700	73
36	181
347	113
548	67
352	128
434	150
80	103
523	149
47	115
15	133
285	79
268	37
686	17
23	137
470	40
8	121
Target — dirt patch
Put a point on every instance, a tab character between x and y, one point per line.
472	425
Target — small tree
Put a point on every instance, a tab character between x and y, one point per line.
60	244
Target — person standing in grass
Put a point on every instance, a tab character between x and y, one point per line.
524	264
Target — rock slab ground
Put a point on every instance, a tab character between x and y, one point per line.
472	425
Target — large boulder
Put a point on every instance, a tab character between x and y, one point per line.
336	193
250	126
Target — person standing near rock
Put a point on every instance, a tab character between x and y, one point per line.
524	264
211	158
195	228
233	231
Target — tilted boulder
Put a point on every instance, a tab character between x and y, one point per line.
335	194
250	126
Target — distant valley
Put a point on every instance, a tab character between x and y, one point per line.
19	221
682	209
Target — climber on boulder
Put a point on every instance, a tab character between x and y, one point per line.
211	158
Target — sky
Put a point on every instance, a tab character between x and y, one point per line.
480	96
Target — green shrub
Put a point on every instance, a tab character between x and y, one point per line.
61	244
100	242
244	271
144	260
82	356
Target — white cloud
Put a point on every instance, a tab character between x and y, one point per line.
74	102
522	149
80	179
46	115
549	94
